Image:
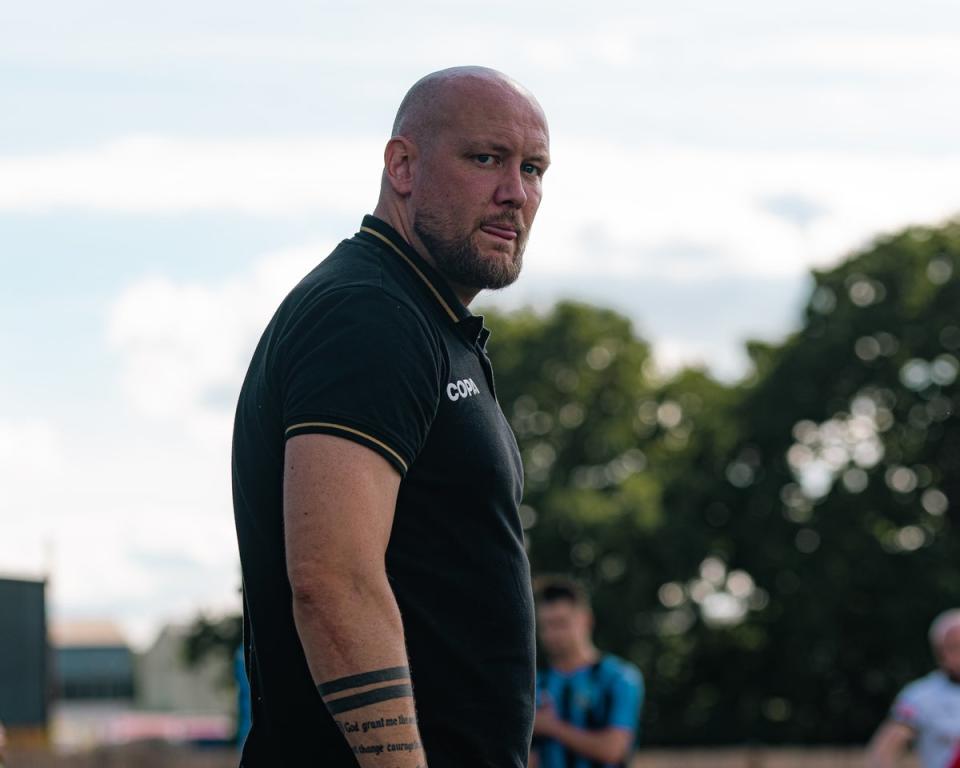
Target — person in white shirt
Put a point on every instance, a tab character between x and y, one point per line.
927	711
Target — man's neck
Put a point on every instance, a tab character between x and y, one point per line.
404	228
396	219
581	657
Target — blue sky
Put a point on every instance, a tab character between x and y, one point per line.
168	170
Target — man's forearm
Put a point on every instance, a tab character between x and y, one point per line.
352	636
594	745
888	744
881	758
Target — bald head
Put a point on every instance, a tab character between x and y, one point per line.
462	175
942	625
945	639
436	98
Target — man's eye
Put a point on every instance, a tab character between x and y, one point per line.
484	159
532	169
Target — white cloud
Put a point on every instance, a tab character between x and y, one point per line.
908	55
133	518
126	523
628	210
32	464
185	346
156	175
685	212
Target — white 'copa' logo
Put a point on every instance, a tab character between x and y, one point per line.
462	388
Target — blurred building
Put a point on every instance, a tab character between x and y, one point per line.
93	663
24	660
111	695
166	682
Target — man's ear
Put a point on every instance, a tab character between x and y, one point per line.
399	162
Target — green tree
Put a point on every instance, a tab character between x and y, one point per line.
770	554
843	490
610	497
217	637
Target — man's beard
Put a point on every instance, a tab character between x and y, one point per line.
459	259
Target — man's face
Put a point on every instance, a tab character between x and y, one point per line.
949	652
478	186
563	627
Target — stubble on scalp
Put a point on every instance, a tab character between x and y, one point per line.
422	114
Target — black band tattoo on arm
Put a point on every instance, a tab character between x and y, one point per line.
353	692
370	696
364	678
336	706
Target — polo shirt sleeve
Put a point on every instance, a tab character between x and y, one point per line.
359	364
626	698
906	708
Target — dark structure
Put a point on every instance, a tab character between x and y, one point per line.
24	655
93	662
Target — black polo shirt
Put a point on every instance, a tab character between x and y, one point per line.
373	346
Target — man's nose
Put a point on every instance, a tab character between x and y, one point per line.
511	190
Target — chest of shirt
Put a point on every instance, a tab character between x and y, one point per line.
470	442
939	714
458	507
581	698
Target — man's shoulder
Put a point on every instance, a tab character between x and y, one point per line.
354	265
620	668
354	279
931	686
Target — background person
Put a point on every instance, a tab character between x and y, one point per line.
589	703
928	710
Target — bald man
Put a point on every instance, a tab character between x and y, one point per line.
928	710
388	614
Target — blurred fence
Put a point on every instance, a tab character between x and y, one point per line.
163	756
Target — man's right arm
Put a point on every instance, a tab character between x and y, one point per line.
888	744
339	499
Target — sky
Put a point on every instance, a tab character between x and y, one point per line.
169	170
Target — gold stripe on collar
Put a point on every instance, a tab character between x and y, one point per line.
416	269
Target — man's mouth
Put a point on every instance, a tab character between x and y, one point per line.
506	233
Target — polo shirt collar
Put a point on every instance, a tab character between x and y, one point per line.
388	238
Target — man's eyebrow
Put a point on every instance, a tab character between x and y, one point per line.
505	150
475	145
537	157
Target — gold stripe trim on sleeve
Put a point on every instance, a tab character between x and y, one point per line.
351	430
416	269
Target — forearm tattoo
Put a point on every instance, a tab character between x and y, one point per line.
336	706
351	682
346	694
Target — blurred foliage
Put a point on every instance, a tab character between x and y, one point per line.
213	637
771	552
